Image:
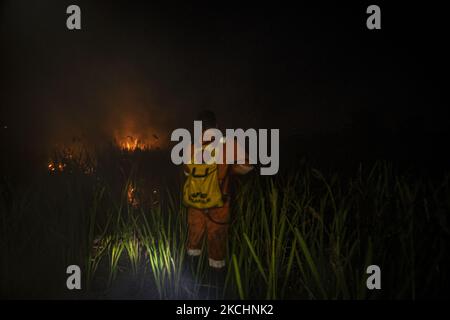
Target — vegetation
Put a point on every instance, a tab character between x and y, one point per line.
299	235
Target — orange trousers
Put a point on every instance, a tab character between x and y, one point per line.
214	224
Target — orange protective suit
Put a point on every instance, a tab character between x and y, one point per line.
212	223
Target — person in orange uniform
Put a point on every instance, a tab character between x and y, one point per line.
214	222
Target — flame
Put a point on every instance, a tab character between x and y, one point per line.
130	134
51	167
131	195
71	158
56	166
129	143
137	142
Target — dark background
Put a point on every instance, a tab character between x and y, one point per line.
335	89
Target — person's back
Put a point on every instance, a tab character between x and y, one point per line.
212	222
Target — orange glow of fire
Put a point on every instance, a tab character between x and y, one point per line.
56	166
137	142
130	135
131	195
130	143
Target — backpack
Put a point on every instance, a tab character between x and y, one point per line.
202	189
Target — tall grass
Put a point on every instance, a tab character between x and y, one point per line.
301	235
312	237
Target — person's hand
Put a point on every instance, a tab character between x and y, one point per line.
241	169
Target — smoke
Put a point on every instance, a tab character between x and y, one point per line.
143	71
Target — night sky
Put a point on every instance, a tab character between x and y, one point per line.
305	70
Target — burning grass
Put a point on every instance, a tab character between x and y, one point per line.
71	158
131	143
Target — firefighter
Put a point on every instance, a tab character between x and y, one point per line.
207	195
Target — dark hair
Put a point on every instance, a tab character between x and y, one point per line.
208	119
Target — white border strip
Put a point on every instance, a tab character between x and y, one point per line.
194	252
216	263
